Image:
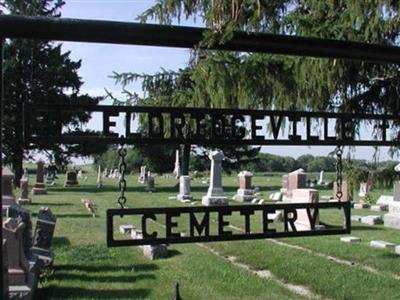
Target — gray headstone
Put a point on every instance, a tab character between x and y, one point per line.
43	237
215	194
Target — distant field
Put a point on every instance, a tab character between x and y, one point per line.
320	267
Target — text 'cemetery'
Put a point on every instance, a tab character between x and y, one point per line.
198	222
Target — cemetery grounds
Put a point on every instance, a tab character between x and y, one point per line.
290	268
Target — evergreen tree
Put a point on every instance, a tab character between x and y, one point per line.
38	72
285	82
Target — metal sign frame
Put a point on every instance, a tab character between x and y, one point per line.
176	36
199	230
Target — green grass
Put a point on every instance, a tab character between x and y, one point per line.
85	268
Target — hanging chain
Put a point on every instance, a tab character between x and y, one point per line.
122	170
339	169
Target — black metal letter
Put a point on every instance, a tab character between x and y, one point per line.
294	137
246	213
266	220
144	226
255	127
287	219
107	123
222	223
169	224
203	226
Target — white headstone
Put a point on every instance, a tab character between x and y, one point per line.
142	176
384	200
363	189
381	244
350	239
177	169
321	177
184	188
215	193
392	219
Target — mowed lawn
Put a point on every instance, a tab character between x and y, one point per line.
85	268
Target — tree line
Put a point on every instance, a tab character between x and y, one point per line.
163	162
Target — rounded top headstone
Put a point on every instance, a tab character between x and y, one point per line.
397	168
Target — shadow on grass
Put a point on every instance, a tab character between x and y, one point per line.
390	255
107	268
102	278
173	252
364	228
60	241
59	216
51	204
54	292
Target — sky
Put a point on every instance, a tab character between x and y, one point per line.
100	60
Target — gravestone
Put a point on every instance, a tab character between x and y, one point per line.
296	180
150	183
143	174
321	180
245	193
184	188
350	239
384	200
371	220
80	174
99	179
392	219
18	265
177	169
24	199
347	196
43	236
18	212
215	193
71	179
304	196
7	184
381	244
39	188
363	189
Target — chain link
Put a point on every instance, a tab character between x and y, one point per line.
339	176
122	169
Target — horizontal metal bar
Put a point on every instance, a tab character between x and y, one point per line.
229	208
188	110
236	237
98	31
45	140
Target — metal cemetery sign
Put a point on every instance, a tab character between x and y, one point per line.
160	125
197	222
199	126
